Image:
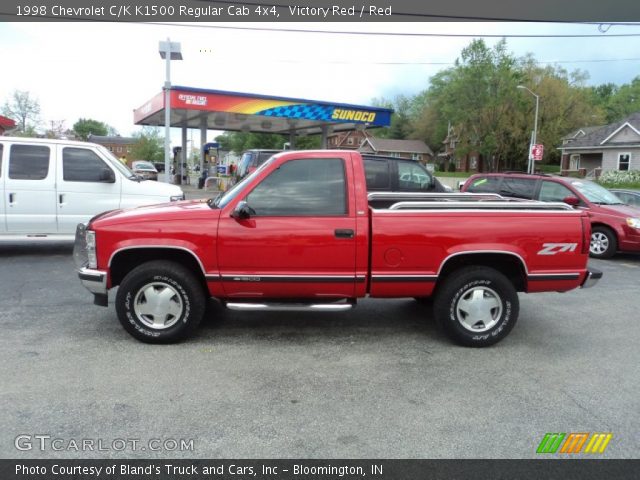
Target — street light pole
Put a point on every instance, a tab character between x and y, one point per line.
531	164
168	51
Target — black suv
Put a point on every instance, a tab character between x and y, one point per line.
383	174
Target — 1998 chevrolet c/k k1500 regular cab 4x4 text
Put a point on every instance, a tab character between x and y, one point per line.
301	232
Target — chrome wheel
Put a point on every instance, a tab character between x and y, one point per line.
599	243
158	305
479	309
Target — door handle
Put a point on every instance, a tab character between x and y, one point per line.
344	233
12	198
61	199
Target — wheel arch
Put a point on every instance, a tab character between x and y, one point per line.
126	259
510	264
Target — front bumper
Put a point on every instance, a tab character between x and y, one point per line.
592	277
93	280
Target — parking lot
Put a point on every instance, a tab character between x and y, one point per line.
380	381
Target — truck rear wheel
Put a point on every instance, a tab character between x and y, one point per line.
160	302
476	306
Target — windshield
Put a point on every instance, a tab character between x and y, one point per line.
143	166
595	193
229	195
115	162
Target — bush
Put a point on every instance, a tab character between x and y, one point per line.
617	178
452	167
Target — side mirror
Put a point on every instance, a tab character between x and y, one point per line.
571	200
242	211
107	176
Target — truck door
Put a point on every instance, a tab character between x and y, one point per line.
3	212
300	238
86	186
29	192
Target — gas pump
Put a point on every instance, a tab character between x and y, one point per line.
176	167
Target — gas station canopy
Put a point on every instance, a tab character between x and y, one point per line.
218	110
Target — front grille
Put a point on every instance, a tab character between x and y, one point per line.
80	256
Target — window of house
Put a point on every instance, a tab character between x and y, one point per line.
81	165
473	163
416	156
29	162
314	187
574	162
624	161
350	141
119	149
128	149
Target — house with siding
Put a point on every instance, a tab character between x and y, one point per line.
411	149
6	125
592	150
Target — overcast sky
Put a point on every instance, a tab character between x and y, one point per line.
105	70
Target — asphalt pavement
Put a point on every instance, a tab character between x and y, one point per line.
380	381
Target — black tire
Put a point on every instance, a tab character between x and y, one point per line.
176	310
604	243
481	288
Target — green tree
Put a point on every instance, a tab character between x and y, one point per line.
238	142
623	101
88	126
25	110
149	145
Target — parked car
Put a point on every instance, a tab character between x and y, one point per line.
628	197
300	234
614	225
48	186
144	169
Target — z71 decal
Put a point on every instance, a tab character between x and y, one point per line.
555	248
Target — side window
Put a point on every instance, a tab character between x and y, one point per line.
412	177
377	174
517	187
29	162
81	165
302	187
484	185
554	192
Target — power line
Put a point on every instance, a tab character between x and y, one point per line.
341	62
391	34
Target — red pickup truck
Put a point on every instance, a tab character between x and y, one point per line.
301	232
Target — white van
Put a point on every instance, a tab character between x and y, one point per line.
48	186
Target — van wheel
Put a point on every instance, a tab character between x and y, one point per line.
476	306
160	302
604	243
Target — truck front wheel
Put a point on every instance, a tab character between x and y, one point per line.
476	306
160	302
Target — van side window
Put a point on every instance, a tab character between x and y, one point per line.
313	187
517	187
29	162
554	192
484	185
81	165
377	174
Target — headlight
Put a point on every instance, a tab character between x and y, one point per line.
633	222
91	249
175	198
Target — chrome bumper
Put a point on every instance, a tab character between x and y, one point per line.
93	280
593	275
